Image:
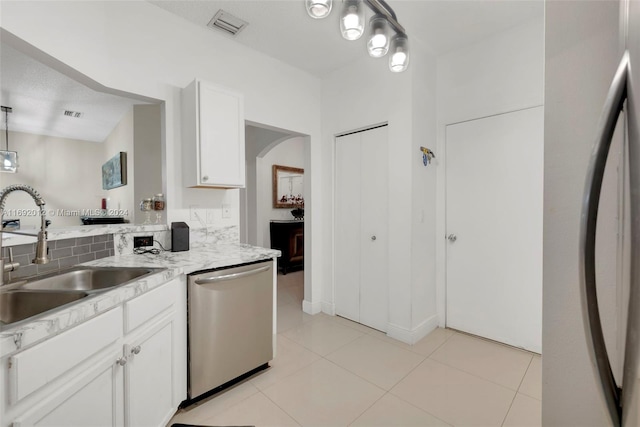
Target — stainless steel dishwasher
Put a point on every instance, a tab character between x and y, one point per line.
230	325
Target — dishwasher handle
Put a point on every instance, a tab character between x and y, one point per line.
216	279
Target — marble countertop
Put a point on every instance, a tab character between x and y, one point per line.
200	257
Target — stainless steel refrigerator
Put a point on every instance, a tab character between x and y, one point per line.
591	355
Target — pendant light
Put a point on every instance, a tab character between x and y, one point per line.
399	57
378	44
352	19
318	9
380	25
8	159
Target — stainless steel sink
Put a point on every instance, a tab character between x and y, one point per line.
22	300
16	305
89	279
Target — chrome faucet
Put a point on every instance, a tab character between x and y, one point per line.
41	246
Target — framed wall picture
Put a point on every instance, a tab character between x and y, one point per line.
288	187
114	171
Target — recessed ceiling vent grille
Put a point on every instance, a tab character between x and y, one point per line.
227	23
74	114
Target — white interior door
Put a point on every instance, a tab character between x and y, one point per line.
361	224
494	195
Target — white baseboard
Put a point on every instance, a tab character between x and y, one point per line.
329	308
311	307
412	336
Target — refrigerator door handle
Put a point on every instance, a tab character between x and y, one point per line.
614	104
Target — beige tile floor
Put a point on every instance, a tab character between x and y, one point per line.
330	371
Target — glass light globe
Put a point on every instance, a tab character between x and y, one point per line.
378	44
318	9
352	19
399	59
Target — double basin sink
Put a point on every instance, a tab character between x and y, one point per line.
23	300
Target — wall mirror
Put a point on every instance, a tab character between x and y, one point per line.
288	187
64	127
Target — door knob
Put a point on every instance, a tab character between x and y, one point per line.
121	361
373	238
136	349
452	238
205	178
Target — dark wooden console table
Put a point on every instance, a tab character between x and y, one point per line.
288	237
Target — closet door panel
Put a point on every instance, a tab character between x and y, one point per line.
347	226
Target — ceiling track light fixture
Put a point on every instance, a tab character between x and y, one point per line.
380	25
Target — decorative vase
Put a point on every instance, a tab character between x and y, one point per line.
298	213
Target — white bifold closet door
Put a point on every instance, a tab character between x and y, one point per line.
361	227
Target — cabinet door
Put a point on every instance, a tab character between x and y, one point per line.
149	376
221	135
91	399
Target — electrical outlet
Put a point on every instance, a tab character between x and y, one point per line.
142	241
226	210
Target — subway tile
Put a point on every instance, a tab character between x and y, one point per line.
68	262
26	271
23	260
102	254
23	249
48	268
98	247
79	250
86	257
84	241
65	243
61	253
101	238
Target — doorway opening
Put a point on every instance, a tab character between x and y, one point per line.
265	223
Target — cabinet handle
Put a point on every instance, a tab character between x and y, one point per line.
205	178
136	349
121	361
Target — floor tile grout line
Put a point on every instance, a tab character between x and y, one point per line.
478	376
472	374
504	419
282	409
525	374
417	407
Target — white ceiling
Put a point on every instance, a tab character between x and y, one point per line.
282	29
39	95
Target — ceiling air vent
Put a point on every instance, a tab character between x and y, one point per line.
70	113
226	22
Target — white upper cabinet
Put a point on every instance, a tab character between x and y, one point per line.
212	136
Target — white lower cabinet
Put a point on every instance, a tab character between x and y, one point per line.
93	398
136	380
149	376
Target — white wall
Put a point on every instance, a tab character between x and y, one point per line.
53	166
581	54
147	167
136	47
121	139
498	74
287	153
